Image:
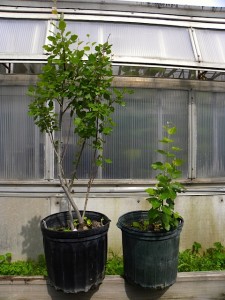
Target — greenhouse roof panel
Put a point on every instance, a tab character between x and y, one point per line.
135	41
22	36
212	45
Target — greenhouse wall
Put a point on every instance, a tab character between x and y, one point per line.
172	59
204	220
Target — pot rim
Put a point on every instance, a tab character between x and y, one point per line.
134	215
60	217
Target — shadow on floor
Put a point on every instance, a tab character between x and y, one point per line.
136	292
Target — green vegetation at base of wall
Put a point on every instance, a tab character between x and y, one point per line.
22	268
194	259
114	264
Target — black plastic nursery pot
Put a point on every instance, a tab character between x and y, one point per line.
75	260
150	258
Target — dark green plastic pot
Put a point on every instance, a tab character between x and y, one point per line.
76	260
150	258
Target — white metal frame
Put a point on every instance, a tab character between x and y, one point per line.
188	22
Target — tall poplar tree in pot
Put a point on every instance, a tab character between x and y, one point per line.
73	97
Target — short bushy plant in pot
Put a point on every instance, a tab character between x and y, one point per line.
73	104
151	238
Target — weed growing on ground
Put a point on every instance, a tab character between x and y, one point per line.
114	264
22	268
190	260
195	259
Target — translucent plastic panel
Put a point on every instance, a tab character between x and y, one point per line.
86	167
82	29
21	145
137	40
135	138
139	127
211	43
210	134
22	36
150	41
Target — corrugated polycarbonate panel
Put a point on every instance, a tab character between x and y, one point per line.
22	36
134	140
21	145
151	41
131	42
212	45
210	133
135	40
84	28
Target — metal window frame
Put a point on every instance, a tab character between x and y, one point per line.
192	131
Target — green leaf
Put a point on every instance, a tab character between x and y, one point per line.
136	224
155	203
73	37
176	148
167	210
150	191
86	48
77	121
153	215
166	221
98	162
176	215
168	166
62	25
50	38
157	166
107	130
108	160
89	222
163	152
172	130
166	140
163	179
177	162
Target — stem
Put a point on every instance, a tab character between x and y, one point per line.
92	173
60	156
77	162
90	182
70	199
70	215
67	139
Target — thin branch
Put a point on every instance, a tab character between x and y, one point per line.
74	176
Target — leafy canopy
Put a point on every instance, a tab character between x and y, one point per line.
74	93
